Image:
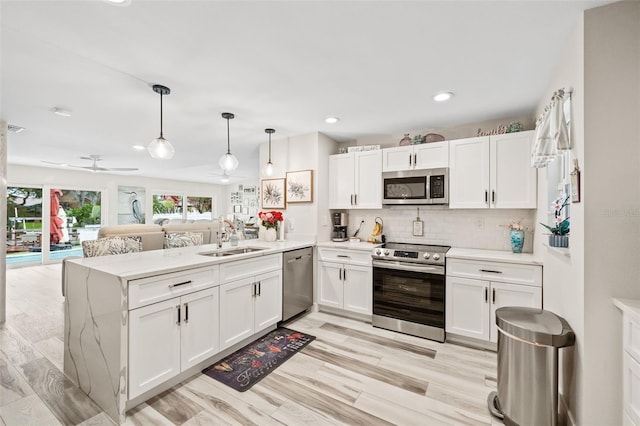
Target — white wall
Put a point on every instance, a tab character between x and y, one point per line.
18	175
612	196
303	152
602	64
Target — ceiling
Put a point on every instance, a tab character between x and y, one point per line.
281	64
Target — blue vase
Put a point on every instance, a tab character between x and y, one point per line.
517	241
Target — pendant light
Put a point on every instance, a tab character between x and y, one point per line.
228	162
161	148
268	168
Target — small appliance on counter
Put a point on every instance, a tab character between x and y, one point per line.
340	223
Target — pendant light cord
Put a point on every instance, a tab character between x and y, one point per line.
269	147
228	144
161	137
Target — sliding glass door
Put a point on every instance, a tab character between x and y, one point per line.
24	225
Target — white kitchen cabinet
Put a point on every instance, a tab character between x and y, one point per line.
249	305
171	336
630	360
475	289
492	172
355	180
416	157
345	280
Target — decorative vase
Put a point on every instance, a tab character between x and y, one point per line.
406	140
558	240
517	240
268	234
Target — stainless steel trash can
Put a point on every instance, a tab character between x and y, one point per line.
528	343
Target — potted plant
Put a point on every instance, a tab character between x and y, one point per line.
560	231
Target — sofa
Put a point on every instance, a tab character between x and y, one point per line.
152	235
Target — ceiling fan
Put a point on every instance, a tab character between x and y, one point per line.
94	167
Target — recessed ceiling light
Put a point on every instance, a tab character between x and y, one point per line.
443	96
119	2
61	112
139	147
331	120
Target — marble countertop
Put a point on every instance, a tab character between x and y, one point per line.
156	262
629	306
494	256
355	245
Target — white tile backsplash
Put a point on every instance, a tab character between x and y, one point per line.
482	229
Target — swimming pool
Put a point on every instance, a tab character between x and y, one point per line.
37	257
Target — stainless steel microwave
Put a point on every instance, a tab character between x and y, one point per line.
428	186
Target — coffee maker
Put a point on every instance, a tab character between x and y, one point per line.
340	222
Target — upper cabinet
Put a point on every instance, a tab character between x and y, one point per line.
355	180
415	157
492	172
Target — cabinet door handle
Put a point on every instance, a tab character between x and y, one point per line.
186	313
178	322
179	284
259	288
355	199
344	274
486	294
493	196
490	271
340	274
415	160
493	296
253	289
409	160
486	196
343	255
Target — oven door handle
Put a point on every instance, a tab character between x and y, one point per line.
433	269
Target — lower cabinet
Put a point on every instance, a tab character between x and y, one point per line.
471	302
168	337
249	305
345	286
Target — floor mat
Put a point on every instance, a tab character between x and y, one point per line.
247	366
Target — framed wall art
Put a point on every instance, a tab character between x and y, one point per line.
300	186
273	193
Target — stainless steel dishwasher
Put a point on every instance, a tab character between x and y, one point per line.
297	282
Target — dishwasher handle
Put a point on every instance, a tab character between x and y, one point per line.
295	259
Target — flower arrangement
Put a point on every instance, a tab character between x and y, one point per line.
516	225
561	226
270	219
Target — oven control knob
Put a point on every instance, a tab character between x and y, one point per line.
378	252
436	256
386	252
426	255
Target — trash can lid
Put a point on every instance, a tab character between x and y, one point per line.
535	326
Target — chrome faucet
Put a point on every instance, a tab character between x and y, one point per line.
219	235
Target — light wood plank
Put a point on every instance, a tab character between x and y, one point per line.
175	407
12	384
27	411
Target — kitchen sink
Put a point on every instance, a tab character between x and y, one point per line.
231	252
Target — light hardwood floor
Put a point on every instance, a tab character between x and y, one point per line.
351	374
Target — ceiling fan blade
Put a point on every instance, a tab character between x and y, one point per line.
122	169
53	162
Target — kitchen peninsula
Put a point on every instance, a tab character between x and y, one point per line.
139	323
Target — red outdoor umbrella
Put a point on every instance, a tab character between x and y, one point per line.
55	231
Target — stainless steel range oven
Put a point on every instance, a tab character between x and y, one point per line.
409	289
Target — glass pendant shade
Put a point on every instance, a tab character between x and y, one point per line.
161	149
268	169
228	162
